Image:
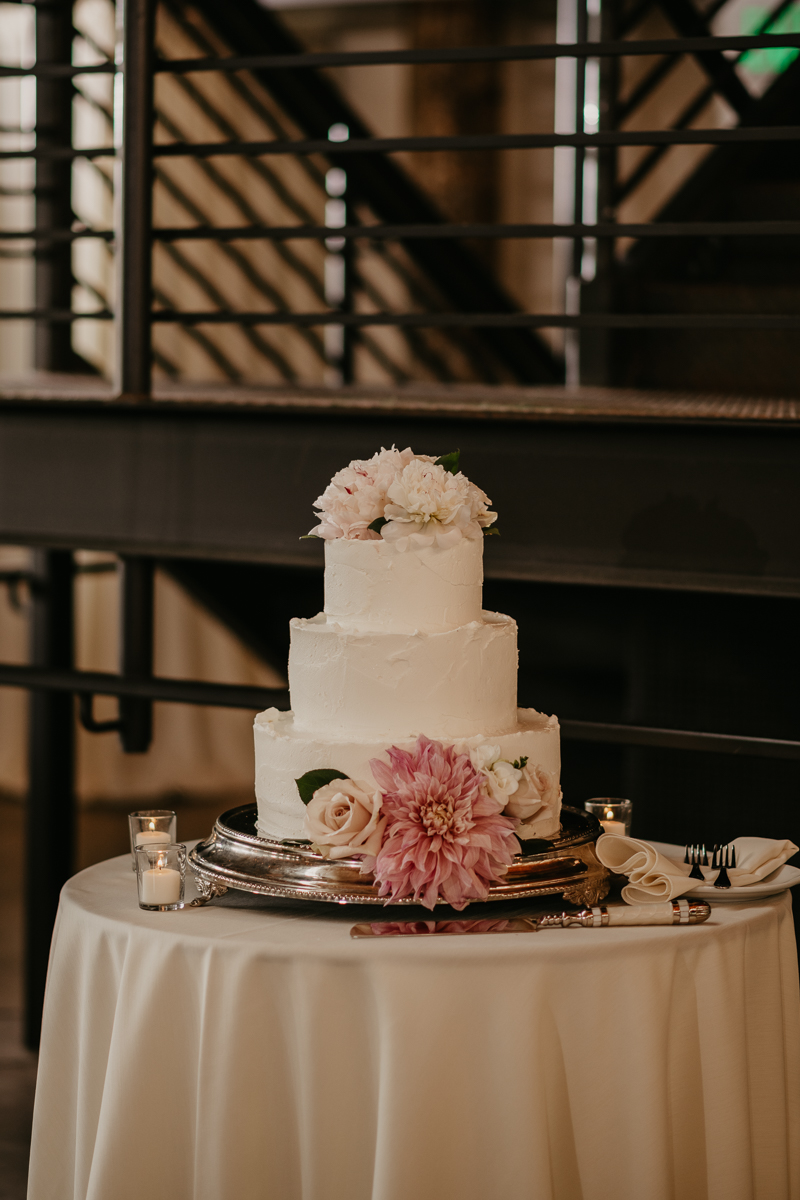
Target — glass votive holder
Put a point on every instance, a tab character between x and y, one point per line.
159	827
161	877
613	814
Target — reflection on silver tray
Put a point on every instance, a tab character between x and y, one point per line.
234	856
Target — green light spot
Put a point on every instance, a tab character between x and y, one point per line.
775	61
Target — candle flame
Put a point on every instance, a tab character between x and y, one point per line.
609	814
152	824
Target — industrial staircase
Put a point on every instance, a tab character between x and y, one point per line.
701	274
731	274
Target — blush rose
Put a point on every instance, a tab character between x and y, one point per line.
344	818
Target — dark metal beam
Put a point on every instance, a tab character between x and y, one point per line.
708	507
50	816
53	266
136	639
678	739
168	691
134	248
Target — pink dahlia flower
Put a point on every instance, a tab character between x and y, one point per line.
444	835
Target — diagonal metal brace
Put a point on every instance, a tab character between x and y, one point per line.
690	23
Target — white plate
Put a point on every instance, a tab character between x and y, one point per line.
785	877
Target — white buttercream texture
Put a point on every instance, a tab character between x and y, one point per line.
389	685
284	753
372	585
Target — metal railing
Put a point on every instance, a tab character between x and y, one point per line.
141	158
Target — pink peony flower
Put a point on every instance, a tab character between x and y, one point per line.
445	838
356	496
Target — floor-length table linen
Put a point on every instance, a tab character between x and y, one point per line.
229	1053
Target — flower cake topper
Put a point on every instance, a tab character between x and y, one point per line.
407	499
439	822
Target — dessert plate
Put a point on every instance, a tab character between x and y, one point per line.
779	881
234	856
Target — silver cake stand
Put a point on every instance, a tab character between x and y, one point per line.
234	856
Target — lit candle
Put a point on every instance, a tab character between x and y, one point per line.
152	836
160	885
612	826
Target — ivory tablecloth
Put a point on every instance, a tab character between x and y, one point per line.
240	1054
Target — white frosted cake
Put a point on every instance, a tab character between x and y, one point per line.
402	649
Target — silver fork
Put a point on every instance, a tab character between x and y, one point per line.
727	858
697	856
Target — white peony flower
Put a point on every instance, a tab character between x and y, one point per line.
501	778
427	504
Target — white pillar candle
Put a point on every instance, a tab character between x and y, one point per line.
617	827
160	885
152	837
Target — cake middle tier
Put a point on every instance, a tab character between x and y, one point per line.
396	685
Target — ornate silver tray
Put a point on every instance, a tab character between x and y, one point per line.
234	856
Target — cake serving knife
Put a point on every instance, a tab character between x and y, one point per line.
669	912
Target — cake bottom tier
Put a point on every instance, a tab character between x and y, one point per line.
283	754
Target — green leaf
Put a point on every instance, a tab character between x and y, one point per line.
491	532
312	780
519	763
378	524
304	537
449	461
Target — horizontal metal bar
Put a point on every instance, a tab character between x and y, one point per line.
545	50
665	229
171	691
449	54
679	739
59	70
57	315
489	320
55	235
60	153
488	141
218	695
768	321
668	229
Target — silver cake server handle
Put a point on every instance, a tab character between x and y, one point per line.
669	912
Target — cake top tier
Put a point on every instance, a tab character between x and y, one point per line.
409	500
374	586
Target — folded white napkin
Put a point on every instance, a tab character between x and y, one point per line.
653	876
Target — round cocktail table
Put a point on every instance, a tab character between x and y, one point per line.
241	1053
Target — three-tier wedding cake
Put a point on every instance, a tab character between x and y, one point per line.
405	742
